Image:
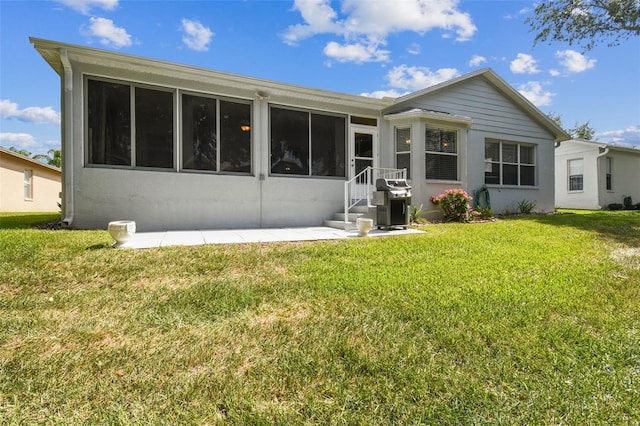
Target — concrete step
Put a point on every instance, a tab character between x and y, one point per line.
352	216
339	224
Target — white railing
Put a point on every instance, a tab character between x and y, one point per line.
361	186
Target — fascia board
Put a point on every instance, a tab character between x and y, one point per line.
430	115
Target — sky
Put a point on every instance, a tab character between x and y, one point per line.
363	47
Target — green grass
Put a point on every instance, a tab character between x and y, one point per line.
526	320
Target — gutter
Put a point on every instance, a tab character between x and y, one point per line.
67	138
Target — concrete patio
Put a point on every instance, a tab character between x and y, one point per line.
143	240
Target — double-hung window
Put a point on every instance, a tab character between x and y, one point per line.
307	144
509	163
575	168
441	154
28	184
403	149
609	173
114	109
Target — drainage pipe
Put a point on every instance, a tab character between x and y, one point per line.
67	138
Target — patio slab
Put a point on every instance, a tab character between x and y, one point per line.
143	240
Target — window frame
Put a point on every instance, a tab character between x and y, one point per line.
218	100
608	173
309	113
442	129
404	153
518	163
176	123
579	178
27	181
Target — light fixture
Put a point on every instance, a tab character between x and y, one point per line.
245	126
408	141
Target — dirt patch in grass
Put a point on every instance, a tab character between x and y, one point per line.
628	257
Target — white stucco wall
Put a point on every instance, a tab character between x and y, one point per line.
594	196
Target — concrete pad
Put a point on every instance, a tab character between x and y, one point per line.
234	236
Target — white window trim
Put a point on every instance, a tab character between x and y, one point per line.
519	185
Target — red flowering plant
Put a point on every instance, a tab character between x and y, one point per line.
455	205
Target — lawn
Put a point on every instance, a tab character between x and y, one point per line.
526	320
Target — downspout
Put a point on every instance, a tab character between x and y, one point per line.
598	157
67	139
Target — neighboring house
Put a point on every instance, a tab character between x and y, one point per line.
178	147
592	175
27	185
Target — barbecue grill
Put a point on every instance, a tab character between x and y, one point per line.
392	198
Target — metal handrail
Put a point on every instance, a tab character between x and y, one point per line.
362	185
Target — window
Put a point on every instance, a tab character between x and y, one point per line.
134	126
403	149
111	118
210	126
441	155
109	122
509	163
28	184
308	144
609	173
575	168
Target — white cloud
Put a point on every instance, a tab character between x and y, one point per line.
630	135
574	62
197	37
535	93
368	23
524	64
18	140
357	53
36	115
477	60
414	49
521	12
109	34
417	78
379	94
85	6
554	72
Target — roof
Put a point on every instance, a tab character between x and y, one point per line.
5	151
610	145
53	52
503	87
435	115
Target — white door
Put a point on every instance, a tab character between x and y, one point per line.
363	149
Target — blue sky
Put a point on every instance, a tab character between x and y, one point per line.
375	47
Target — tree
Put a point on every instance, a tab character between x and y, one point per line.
20	151
53	157
579	131
586	22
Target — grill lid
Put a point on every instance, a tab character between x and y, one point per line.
395	185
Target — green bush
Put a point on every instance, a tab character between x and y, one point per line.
455	204
485	212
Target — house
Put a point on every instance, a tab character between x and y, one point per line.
177	147
27	185
592	175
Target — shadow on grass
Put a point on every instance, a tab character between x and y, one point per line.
26	220
619	226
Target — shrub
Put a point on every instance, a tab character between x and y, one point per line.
455	204
615	206
526	206
485	212
416	213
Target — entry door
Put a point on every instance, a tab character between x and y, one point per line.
363	149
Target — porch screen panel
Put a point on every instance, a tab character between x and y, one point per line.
289	142
328	145
235	137
109	123
442	154
199	145
154	128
